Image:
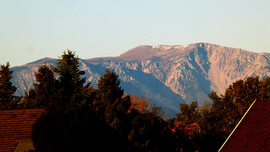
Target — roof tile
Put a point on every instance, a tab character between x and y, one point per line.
253	132
16	125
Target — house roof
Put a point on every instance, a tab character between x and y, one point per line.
16	125
253	131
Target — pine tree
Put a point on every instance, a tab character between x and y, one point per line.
29	99
45	93
7	90
108	90
109	87
111	102
46	87
71	84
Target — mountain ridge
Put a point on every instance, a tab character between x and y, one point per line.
168	74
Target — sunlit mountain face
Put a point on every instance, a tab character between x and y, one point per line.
167	75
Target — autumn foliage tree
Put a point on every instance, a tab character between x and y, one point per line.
220	119
265	87
139	103
185	127
206	128
237	99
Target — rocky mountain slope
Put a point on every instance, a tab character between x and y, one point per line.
168	75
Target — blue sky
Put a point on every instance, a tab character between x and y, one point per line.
33	29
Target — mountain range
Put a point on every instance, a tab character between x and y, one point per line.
167	75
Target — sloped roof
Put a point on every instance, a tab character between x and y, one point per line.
253	131
16	125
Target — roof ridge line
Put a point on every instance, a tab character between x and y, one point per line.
237	125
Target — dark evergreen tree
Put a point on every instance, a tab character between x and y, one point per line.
104	121
45	93
29	99
110	99
70	80
109	87
46	87
7	89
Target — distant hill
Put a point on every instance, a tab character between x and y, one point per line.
168	75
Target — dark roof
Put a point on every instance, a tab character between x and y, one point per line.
253	131
16	125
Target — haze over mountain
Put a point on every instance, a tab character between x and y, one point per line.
168	75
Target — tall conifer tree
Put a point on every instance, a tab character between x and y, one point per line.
7	90
109	87
46	86
45	93
70	81
111	100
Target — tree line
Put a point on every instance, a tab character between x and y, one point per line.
79	117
